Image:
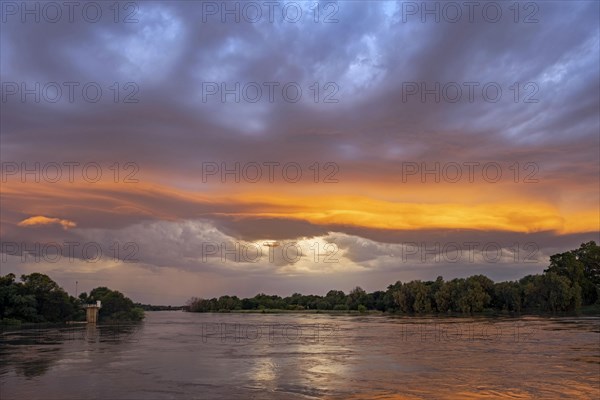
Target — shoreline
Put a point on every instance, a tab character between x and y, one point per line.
590	310
586	311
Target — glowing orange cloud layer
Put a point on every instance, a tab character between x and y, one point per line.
369	213
381	209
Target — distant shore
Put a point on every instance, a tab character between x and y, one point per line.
589	310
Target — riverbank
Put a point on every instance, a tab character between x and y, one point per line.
589	310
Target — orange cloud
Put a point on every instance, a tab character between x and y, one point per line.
41	220
380	207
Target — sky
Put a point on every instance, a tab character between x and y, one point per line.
187	148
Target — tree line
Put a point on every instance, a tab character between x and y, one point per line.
571	281
37	298
151	307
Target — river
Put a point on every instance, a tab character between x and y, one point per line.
178	355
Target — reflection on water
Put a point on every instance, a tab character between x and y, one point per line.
182	355
34	350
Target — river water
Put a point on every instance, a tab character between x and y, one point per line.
178	355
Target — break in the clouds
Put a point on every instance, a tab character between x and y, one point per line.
375	140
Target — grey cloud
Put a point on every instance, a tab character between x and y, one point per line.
369	54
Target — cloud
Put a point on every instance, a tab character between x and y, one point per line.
40	220
370	55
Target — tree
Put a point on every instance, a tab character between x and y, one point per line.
52	302
582	267
15	303
567	264
377	300
443	297
558	293
7	290
356	297
115	306
486	283
404	298
473	296
507	296
589	255
550	292
229	303
334	298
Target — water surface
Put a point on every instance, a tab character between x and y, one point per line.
173	355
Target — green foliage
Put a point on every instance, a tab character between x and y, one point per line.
115	306
443	297
507	296
551	292
413	297
474	298
582	267
334	298
37	298
356	297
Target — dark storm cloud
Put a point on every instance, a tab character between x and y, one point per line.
369	54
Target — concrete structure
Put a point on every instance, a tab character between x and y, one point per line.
91	312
